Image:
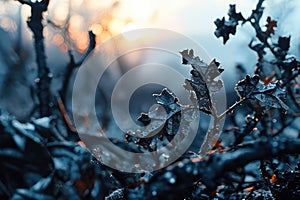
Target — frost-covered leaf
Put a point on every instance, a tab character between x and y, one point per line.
165	98
163	123
213	70
144	118
271	101
204	80
199	85
173	124
168	101
117	194
247	86
160	123
225	28
188	58
233	15
212	73
269	96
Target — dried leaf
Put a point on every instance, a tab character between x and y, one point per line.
225	28
271	24
274	178
284	43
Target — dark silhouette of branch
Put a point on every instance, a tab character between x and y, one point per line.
254	19
73	65
27	2
44	76
213	170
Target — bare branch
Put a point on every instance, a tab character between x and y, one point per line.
73	65
26	2
90	48
212	170
44	76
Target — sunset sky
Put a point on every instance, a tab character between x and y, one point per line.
192	18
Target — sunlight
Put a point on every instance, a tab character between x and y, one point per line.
97	29
82	41
139	11
61	12
76	3
114	18
58	40
116	26
8	24
127	34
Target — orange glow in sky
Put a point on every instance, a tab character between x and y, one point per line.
111	17
104	18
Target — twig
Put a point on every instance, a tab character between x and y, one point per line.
90	48
73	65
208	142
255	24
27	2
231	108
215	130
65	115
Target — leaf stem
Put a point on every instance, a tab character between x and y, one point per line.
231	108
